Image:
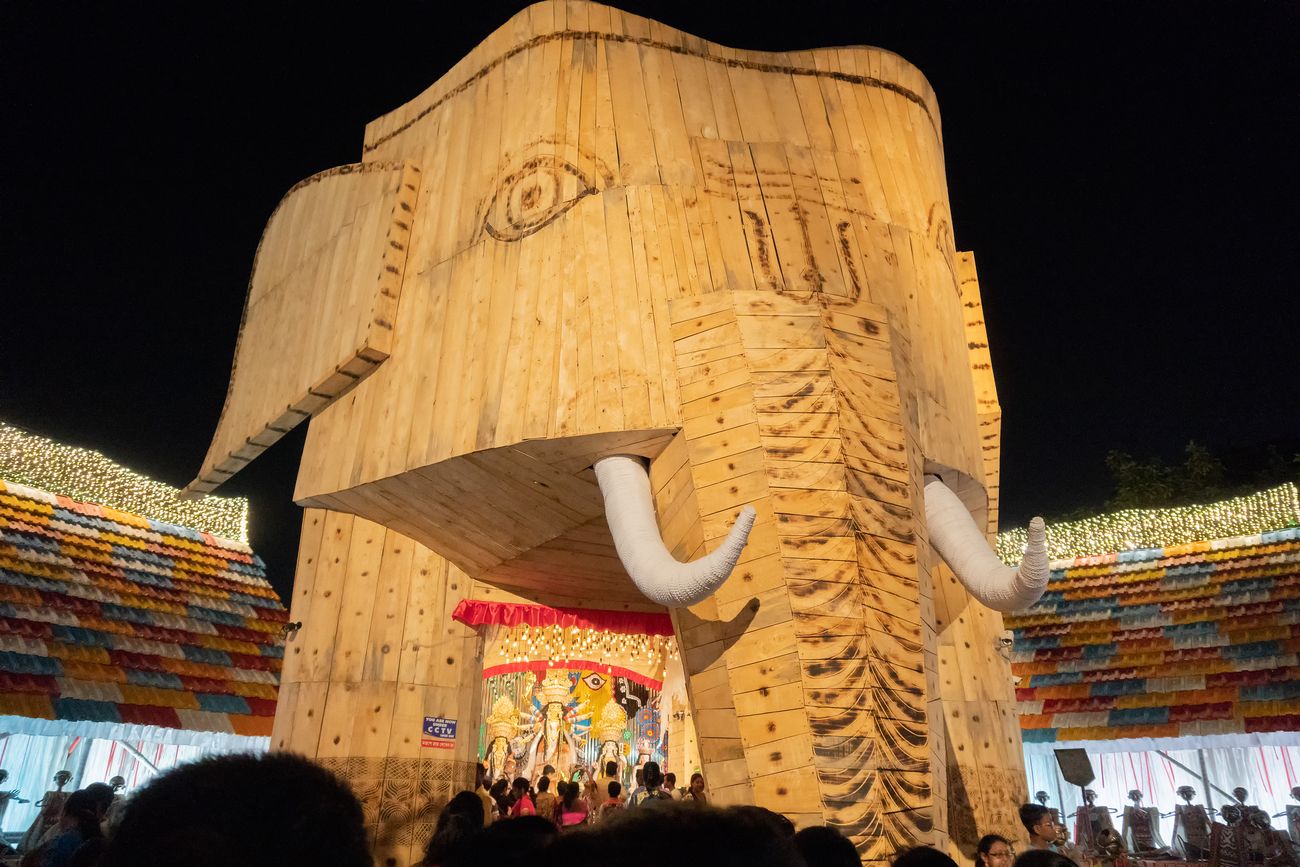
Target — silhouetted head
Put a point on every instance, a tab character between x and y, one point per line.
522	840
255	811
101	794
825	847
82	811
459	825
1043	858
698	837
923	856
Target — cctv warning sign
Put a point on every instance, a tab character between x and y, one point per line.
438	733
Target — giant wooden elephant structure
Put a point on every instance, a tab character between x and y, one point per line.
597	235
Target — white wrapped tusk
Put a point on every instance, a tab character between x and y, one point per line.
655	572
963	547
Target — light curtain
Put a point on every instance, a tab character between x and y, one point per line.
1268	772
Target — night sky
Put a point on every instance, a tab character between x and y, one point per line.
1126	174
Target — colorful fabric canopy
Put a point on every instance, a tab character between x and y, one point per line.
112	618
1189	640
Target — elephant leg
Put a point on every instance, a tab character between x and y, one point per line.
809	670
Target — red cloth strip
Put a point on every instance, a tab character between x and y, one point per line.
476	612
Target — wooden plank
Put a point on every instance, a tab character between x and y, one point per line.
360	579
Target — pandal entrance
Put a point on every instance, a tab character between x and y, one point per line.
574	689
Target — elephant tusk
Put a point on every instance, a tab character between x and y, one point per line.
963	547
655	572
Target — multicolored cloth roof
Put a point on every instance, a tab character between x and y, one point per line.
1189	640
108	617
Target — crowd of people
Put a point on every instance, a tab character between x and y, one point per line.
574	804
277	809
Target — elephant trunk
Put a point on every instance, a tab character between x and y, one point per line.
964	548
655	572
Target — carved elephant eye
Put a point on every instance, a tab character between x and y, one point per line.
536	193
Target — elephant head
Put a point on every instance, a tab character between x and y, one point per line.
607	296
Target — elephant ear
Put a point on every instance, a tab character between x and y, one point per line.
321	304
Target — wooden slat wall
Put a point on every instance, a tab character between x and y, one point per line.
377	652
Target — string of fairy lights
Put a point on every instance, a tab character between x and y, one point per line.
559	644
88	476
1272	509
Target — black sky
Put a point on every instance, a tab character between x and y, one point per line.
1126	174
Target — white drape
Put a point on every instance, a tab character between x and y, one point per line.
1267	772
32	761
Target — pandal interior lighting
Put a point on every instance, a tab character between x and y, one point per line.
558	644
1273	509
88	476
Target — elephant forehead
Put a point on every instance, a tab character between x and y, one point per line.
562	101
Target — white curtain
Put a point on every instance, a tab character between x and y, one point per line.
1268	773
32	761
109	759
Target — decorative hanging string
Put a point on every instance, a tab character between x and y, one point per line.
558	645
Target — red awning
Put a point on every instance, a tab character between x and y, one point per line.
476	612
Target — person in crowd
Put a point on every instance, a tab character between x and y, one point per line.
546	799
500	794
821	846
615	801
460	824
1043	858
652	789
101	795
638	785
695	792
521	800
699	837
1037	820
101	802
114	815
572	811
78	826
480	789
610	773
252	810
519	841
993	850
592	795
670	786
923	856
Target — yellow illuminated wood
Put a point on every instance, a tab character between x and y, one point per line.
738	265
